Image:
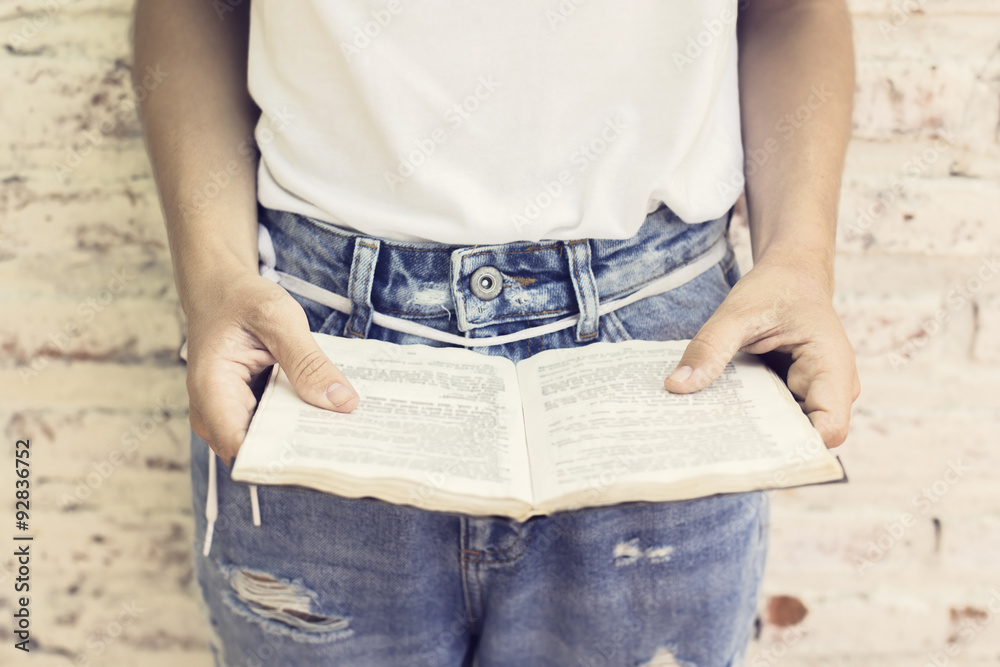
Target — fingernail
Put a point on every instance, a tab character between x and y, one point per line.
681	374
340	393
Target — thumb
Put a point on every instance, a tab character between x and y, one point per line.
707	354
314	377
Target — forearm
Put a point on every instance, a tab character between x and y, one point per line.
796	95
196	124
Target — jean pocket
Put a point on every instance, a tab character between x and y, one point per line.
731	267
611	328
334	324
322	318
676	314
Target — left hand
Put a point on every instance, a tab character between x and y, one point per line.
785	307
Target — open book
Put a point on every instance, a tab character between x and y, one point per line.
456	430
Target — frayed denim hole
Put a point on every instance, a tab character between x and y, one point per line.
282	607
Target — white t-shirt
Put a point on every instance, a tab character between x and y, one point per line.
481	122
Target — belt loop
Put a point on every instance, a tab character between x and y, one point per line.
360	286
585	287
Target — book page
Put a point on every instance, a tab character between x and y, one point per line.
447	420
599	416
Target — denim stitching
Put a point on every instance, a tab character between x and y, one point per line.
324	328
368	275
479	552
576	274
469	612
617	324
532	249
483	556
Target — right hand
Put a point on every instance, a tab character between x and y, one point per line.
239	324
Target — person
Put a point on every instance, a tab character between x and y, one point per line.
386	156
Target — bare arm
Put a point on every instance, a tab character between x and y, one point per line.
797	77
194	122
796	98
197	123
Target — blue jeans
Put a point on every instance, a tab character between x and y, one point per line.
326	580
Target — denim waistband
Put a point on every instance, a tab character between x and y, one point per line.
397	283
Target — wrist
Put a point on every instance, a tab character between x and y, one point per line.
206	271
803	241
811	265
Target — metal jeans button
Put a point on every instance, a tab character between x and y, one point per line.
486	282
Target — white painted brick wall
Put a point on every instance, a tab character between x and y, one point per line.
79	373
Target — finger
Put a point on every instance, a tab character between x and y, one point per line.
317	381
221	405
706	356
828	394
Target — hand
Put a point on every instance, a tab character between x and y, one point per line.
239	324
783	307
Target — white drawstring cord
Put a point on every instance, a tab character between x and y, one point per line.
211	504
265	252
254	505
268	261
